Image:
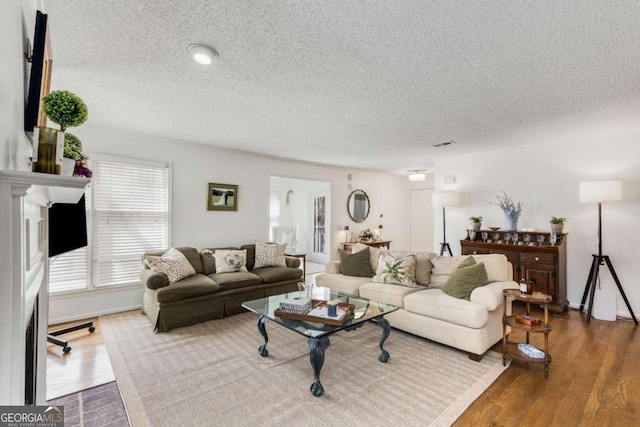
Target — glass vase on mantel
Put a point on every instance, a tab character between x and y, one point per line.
512	219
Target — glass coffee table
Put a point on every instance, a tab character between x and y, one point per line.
318	333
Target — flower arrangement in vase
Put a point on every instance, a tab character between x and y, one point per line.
511	210
366	235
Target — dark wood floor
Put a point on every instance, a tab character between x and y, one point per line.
593	379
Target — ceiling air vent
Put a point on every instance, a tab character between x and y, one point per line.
442	144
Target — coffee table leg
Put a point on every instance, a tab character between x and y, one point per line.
386	330
317	346
263	331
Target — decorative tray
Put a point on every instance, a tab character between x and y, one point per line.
344	310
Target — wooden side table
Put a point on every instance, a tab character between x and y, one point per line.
303	261
380	243
511	347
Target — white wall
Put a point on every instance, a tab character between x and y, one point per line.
196	165
545	177
17	22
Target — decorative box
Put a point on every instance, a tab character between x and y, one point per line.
296	305
528	320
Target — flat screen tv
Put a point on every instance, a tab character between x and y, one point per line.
38	79
67	227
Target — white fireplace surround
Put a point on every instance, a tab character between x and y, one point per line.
24	200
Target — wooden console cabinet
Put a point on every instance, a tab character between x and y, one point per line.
545	266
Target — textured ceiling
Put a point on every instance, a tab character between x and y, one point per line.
366	84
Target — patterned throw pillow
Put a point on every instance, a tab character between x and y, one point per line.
150	264
230	261
270	255
400	271
174	264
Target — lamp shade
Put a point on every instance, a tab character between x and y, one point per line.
445	199
601	191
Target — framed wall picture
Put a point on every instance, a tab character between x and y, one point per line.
222	197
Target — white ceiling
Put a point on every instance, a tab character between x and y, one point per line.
366	84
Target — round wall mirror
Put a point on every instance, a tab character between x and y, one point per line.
358	205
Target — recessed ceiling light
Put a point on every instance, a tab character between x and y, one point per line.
202	53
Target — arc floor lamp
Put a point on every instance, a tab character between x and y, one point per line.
600	192
445	199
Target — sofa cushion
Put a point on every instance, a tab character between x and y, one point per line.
270	255
192	286
464	280
209	260
388	294
355	264
399	271
277	274
436	304
423	265
342	283
228	261
235	280
496	265
174	264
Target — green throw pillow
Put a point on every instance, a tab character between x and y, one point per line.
355	264
468	262
466	279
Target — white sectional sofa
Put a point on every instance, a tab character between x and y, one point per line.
470	325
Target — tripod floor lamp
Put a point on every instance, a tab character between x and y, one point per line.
445	199
599	192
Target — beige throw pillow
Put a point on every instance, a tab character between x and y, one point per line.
230	261
174	264
269	255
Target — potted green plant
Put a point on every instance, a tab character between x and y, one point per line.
557	224
475	222
72	153
67	110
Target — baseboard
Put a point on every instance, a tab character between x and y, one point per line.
619	315
91	315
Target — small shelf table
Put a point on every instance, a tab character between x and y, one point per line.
511	347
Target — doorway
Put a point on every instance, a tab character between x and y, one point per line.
421	220
300	216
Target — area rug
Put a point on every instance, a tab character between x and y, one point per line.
212	375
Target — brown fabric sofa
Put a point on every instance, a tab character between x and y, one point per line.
208	295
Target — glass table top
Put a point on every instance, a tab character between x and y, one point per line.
364	310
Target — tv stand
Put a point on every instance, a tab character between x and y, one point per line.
52	336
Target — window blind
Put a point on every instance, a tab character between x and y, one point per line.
130	215
68	271
127	215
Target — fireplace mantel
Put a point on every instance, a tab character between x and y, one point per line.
24	200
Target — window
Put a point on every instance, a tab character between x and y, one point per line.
128	215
